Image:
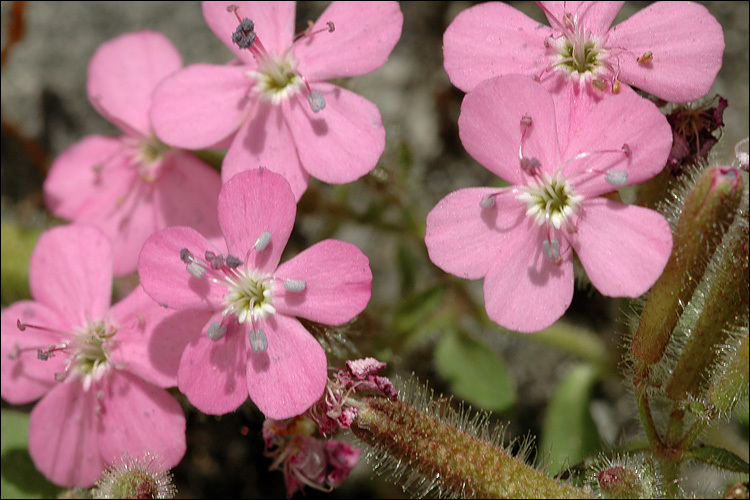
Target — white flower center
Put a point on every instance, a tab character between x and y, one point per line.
249	295
90	346
551	200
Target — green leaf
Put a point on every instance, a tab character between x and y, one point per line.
719	457
19	478
569	433
17	244
475	372
415	310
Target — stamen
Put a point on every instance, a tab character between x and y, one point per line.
244	35
528	165
551	249
488	200
295	285
216	261
616	177
646	58
216	331
627	150
599	84
233	262
258	340
196	269
316	100
263	240
186	256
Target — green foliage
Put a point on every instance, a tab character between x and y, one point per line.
20	479
17	245
475	372
569	434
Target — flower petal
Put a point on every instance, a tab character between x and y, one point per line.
123	73
493	39
364	36
150	339
212	373
624	248
187	192
490	126
201	105
164	275
624	118
71	272
63	441
26	378
595	17
523	290
687	44
291	374
338	283
340	143
274	24
139	418
265	141
251	203
463	238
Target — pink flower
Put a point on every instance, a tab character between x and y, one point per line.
99	370
254	344
520	238
672	50
275	101
130	186
307	460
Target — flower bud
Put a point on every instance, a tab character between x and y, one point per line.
709	209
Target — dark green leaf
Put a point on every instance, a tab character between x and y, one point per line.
569	433
719	457
476	373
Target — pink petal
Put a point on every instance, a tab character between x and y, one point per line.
493	39
687	44
201	105
364	36
150	339
212	373
623	118
265	141
140	418
623	248
63	440
71	272
596	17
187	192
490	126
291	374
338	283
123	73
86	181
250	204
274	24
26	378
523	290
164	275
463	238
340	143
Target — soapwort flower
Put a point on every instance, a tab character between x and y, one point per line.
521	238
672	50
274	102
254	344
98	373
130	186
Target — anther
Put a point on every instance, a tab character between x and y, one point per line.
646	58
295	285
626	149
551	249
14	352
20	325
599	84
263	240
196	269
487	201
216	331
186	256
258	340
244	36
530	165
44	356
316	100
216	261
616	177
233	262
